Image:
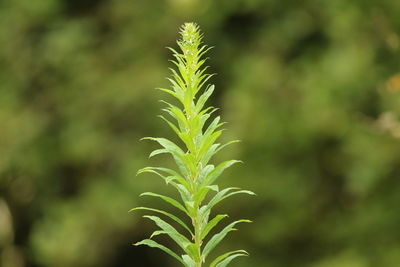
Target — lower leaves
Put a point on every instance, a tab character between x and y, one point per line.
196	253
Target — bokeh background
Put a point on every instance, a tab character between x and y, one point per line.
312	88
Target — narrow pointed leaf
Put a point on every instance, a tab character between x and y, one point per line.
154	244
218	171
169	200
180	239
217	238
157	152
204	97
212	224
223	194
188	261
158	232
174	94
173	217
168	179
226	261
168	145
225	255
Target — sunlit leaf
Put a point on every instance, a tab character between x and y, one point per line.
173	217
154	244
181	240
212	224
226	258
217	238
169	200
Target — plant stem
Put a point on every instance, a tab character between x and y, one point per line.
196	220
197	236
190	53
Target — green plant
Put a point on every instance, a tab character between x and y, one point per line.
196	176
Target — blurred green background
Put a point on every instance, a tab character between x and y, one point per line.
312	88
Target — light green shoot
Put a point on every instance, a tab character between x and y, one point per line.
196	176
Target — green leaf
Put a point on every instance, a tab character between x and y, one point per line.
214	149
183	191
203	98
168	145
158	232
190	164
174	51
218	171
174	94
210	152
154	244
213	187
223	194
153	169
178	115
188	261
208	141
173	174
204	49
217	238
203	117
226	258
179	62
178	77
178	86
200	76
190	207
173	217
173	127
185	169
213	125
207	77
199	73
181	240
158	151
194	252
204	173
227	144
169	200
185	137
200	195
212	224
209	136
